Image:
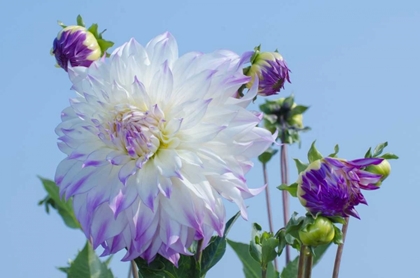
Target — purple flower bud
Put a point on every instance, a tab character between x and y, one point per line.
75	44
332	186
272	73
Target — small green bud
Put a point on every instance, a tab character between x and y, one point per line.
383	168
318	233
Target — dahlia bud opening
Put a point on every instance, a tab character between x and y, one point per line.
383	169
332	187
271	70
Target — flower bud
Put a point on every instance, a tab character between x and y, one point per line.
383	169
271	70
75	44
321	231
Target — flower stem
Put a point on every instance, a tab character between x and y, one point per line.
301	266
263	273
340	248
308	262
198	253
285	197
268	203
133	270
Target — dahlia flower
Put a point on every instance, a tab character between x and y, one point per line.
271	70
332	187
153	143
77	46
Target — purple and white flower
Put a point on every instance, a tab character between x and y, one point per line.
332	187
77	46
153	144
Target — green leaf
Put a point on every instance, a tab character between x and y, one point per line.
88	265
251	268
336	149
313	153
266	156
64	208
379	148
94	30
80	21
389	156
300	165
162	268
292	189
298	109
255	248
216	248
319	251
291	269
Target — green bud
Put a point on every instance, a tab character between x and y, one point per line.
318	233
383	168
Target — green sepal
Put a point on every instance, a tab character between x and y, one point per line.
337	219
389	156
292	189
368	154
63	207
313	153
80	21
87	265
300	165
336	149
298	109
338	236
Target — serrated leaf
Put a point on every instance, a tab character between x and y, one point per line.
80	21
336	149
88	265
292	189
379	148
389	156
313	153
64	208
300	165
251	268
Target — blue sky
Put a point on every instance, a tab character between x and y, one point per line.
356	63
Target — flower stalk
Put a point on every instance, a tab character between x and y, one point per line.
284	170
340	248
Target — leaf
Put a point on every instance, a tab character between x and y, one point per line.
292	189
88	265
266	156
313	153
300	165
216	248
389	156
379	148
64	208
80	21
291	269
336	149
162	268
298	109
368	154
251	268
94	30
338	236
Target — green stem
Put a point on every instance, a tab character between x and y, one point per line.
285	197
263	273
268	203
308	263
340	248
198	253
301	266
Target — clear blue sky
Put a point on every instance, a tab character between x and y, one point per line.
356	63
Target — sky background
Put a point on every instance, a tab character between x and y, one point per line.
355	63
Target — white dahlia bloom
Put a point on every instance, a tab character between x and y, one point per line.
153	143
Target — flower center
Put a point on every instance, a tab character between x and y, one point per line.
136	133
